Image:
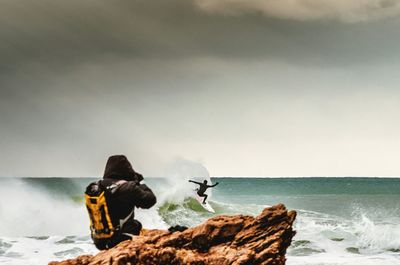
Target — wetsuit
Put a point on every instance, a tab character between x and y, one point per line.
125	194
203	187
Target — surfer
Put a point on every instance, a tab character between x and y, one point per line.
112	219
203	187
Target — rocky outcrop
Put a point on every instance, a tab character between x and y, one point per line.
220	240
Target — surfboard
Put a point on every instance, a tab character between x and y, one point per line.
206	205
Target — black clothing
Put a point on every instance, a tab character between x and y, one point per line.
125	193
203	195
108	243
203	187
118	167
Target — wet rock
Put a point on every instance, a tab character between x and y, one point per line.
353	250
220	240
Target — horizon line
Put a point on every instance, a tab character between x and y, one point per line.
216	176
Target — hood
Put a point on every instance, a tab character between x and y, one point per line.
118	167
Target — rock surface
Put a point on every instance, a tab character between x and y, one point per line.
220	240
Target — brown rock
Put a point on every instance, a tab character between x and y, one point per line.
220	240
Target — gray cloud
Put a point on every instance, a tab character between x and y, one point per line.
249	94
238	117
60	34
344	10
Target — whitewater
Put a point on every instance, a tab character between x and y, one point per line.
340	220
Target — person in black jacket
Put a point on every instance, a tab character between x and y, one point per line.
126	193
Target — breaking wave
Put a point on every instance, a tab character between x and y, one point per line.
45	219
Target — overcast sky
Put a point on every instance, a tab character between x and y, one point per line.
245	87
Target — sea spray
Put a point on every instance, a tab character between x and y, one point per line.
337	223
54	206
377	237
28	211
174	198
177	177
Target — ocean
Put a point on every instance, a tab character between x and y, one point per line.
340	220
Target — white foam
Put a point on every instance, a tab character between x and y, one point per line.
177	178
377	237
37	252
29	212
343	259
335	237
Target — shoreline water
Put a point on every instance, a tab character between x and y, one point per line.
340	220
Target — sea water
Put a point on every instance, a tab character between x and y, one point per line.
339	221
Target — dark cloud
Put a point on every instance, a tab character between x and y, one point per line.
80	80
347	11
67	33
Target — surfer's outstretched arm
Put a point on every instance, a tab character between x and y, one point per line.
195	182
212	185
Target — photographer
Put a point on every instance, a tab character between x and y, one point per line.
123	192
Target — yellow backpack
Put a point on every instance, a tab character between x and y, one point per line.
101	225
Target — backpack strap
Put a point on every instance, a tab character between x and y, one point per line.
123	221
113	187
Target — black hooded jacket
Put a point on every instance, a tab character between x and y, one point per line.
126	192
